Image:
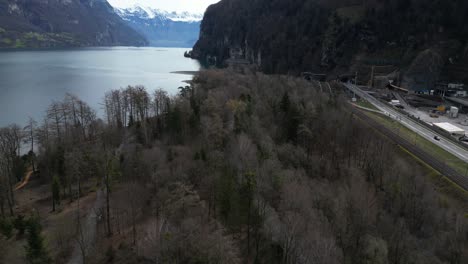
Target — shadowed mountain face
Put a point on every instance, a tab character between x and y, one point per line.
318	35
161	28
62	23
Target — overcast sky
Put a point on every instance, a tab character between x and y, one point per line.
194	6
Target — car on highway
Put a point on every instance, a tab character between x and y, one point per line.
437	138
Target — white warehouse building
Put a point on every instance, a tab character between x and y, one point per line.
454	130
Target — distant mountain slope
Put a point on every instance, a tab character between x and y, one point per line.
161	28
60	23
323	35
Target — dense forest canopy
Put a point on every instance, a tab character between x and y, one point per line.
236	168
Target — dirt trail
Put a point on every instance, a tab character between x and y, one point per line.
25	181
88	230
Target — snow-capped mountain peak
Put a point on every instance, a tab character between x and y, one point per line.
185	16
162	28
144	12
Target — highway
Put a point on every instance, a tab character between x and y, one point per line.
426	133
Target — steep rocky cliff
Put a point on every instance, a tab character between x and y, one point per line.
323	36
61	23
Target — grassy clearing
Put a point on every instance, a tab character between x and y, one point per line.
421	142
446	187
31	36
7	41
19	44
366	104
37	40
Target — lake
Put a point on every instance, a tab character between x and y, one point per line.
31	80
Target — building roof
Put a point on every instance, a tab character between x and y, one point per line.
450	128
461	101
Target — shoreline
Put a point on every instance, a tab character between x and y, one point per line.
186	72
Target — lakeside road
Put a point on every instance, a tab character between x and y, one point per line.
424	132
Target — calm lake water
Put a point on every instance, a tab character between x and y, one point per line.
31	80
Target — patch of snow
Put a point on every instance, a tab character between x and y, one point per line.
185	17
149	13
13	8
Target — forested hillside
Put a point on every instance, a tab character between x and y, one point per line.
63	23
284	36
237	168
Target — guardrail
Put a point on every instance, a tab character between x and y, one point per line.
439	131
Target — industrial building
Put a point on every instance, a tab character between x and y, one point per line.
453	130
461	103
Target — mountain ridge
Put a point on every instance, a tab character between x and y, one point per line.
281	36
163	28
151	13
63	23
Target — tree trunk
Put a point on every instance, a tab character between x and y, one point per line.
79	188
2	207
70	189
109	230
248	228
10	206
134	226
11	196
32	150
